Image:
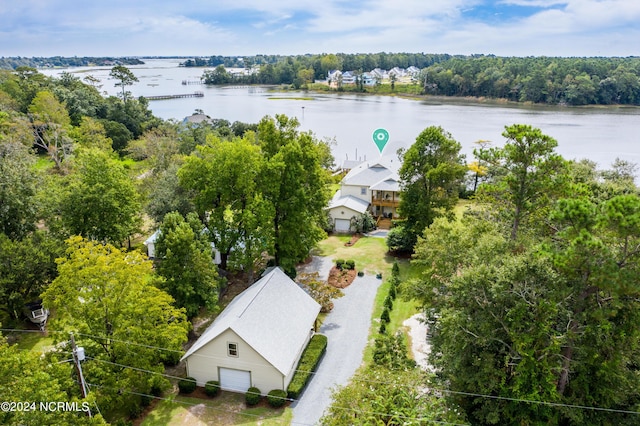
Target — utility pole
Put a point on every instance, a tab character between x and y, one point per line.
78	355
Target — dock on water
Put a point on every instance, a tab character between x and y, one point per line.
185	95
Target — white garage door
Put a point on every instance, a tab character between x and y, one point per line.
343	225
235	380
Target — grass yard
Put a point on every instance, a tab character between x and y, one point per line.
227	408
369	253
34	341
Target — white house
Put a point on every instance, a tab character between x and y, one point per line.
372	186
151	248
257	340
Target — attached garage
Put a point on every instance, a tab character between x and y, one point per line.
342	209
342	225
234	380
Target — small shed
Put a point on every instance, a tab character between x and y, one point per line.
257	340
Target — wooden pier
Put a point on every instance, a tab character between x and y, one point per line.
185	95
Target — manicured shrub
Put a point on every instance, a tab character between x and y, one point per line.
392	292
340	264
253	396
277	398
395	270
308	363
187	385
383	328
388	303
384	318
350	264
212	388
361	273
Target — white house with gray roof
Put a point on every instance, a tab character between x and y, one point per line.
257	340
372	186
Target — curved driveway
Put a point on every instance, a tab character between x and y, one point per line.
347	330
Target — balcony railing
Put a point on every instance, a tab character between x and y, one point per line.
383	202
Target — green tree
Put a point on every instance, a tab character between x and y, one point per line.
91	133
596	251
552	322
126	324
225	176
430	175
527	174
185	262
165	194
295	183
18	187
125	78
27	266
28	377
51	124
101	202
380	396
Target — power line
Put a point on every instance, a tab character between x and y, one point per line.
191	403
290	399
553	404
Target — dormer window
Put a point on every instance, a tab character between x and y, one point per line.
363	190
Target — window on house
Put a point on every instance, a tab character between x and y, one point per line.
232	349
363	190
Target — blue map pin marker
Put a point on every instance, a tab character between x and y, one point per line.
380	137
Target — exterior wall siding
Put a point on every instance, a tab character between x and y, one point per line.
355	191
203	365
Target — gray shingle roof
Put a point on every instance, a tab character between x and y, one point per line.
348	201
370	173
274	316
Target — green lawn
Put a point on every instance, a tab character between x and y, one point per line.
369	253
35	342
225	409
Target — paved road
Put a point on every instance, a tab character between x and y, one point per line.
347	329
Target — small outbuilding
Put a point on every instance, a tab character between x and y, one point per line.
257	340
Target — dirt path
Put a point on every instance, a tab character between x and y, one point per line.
419	344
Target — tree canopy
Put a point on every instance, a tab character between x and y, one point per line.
540	309
127	325
184	259
431	172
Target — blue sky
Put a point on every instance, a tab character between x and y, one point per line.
249	27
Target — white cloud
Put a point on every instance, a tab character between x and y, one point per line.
164	27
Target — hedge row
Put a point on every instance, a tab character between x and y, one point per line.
307	365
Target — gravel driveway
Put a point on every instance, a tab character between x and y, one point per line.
347	329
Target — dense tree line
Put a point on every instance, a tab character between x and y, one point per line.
13	63
573	81
80	173
549	80
532	297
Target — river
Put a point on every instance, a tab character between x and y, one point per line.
600	134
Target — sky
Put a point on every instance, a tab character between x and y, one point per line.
291	27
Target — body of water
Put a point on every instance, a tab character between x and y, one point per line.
601	134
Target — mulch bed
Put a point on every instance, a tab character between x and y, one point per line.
341	278
354	239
